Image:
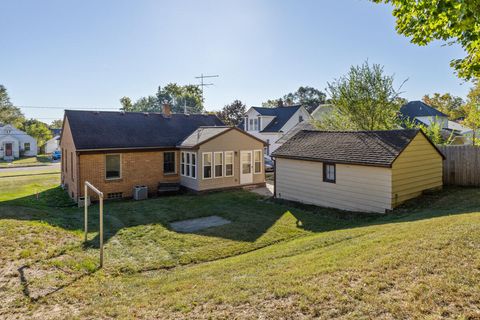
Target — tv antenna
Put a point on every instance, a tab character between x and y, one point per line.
202	84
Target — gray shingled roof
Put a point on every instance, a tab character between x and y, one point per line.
415	109
111	130
201	135
281	114
373	148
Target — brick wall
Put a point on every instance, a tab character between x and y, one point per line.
137	168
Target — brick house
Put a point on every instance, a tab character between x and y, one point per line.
116	151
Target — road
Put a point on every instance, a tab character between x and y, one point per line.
51	166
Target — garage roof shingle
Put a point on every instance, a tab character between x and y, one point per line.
373	148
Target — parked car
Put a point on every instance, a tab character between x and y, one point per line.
269	164
56	155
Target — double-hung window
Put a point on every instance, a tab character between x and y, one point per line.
207	165
218	158
189	164
329	172
258	161
169	162
112	166
228	163
26	146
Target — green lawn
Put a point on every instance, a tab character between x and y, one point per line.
40	160
274	260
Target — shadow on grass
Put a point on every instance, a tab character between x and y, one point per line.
251	215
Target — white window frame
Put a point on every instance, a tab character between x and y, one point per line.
203	165
215	165
121	168
185	163
182	163
193	167
261	161
225	164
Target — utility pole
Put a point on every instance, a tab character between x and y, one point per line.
202	82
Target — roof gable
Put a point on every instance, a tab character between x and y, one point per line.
415	109
373	148
281	114
124	130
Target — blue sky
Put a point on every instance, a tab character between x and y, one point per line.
90	53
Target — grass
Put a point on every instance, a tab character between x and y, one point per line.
275	260
40	160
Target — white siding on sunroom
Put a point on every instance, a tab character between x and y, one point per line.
357	188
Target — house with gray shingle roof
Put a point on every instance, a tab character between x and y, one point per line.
371	171
116	151
271	124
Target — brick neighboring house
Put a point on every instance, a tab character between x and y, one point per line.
116	151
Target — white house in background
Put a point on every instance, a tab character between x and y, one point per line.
52	145
270	124
15	143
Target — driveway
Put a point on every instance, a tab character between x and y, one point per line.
266	191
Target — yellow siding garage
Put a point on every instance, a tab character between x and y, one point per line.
417	168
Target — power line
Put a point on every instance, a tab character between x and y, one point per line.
66	108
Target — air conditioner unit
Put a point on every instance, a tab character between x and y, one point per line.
140	192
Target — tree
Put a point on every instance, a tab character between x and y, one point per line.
187	97
446	103
9	114
308	97
433	131
454	21
232	114
273	103
56	124
364	99
179	98
38	130
472	109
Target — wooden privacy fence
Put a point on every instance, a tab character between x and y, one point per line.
461	166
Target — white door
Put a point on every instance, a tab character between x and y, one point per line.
246	167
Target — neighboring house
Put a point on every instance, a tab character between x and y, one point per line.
370	171
52	145
420	112
270	124
321	112
15	143
460	134
117	151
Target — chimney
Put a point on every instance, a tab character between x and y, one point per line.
167	111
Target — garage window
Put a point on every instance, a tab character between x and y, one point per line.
329	172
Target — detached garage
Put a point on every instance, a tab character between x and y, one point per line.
371	171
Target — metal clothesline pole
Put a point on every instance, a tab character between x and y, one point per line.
100	195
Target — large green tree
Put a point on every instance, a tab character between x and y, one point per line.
56	124
9	114
450	105
37	129
472	110
308	97
180	98
453	21
232	114
363	99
